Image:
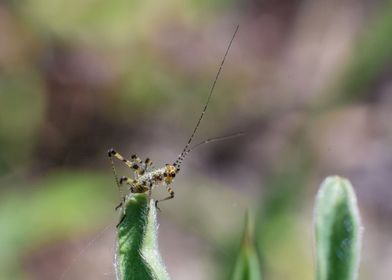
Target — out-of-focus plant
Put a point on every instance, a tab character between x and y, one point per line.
65	202
338	238
138	256
370	56
19	127
247	265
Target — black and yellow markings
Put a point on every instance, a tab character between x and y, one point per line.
170	191
157	178
136	186
140	188
127	180
136	158
170	173
148	162
131	164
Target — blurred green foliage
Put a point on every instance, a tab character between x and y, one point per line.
369	58
21	114
40	204
50	209
338	238
116	21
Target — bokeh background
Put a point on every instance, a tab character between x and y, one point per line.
308	81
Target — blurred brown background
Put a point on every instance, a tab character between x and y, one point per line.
308	81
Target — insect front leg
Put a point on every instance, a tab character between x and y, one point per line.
171	195
128	181
112	153
131	164
137	166
147	164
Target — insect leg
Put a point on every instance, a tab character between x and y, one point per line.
171	195
131	164
111	153
149	192
128	181
122	219
147	164
118	206
137	166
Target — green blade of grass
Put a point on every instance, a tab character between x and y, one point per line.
338	230
138	257
247	266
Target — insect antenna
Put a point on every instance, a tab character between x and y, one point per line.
220	138
186	149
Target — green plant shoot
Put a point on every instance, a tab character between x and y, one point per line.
338	230
138	257
247	266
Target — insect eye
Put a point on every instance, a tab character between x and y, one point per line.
165	174
135	166
173	175
111	152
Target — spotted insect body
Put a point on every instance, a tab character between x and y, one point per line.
145	179
152	178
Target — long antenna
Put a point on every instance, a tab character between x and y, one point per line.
185	151
210	140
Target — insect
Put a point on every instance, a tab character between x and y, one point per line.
145	177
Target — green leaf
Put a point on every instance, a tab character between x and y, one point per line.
138	257
338	230
247	266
